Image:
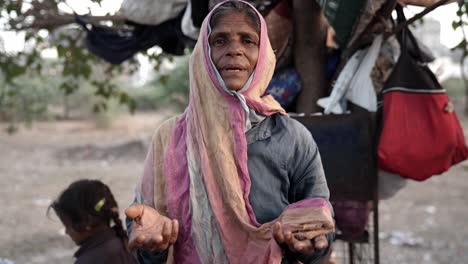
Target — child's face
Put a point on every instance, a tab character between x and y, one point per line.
78	236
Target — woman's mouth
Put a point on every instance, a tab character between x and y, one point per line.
233	68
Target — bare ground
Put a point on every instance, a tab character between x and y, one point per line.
426	222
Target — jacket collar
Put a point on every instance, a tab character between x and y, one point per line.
262	130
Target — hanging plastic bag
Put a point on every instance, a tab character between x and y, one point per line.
332	104
354	82
151	12
361	89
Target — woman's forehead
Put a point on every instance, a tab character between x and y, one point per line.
234	20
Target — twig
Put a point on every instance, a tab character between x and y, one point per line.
463	60
51	22
419	16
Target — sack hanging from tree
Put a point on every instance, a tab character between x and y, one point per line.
421	134
151	12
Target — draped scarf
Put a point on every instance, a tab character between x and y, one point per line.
200	168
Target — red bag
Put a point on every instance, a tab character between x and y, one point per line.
421	134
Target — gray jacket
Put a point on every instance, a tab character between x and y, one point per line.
285	167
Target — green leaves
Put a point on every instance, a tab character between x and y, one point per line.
460	24
10	67
74	66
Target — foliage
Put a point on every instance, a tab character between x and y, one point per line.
23	101
32	97
48	27
461	23
171	89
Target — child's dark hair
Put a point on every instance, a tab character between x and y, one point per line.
88	203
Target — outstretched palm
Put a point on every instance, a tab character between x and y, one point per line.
151	230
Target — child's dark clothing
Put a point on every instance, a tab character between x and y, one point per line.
104	247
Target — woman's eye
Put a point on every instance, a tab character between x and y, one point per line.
219	41
249	41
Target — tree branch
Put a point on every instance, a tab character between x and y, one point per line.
55	21
419	15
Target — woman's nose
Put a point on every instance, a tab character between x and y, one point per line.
235	49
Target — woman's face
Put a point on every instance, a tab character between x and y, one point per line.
234	46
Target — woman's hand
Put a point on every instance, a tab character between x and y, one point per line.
298	243
151	230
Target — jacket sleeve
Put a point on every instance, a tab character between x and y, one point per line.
308	179
305	168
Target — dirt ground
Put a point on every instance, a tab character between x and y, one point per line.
426	222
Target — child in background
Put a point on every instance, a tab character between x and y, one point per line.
86	209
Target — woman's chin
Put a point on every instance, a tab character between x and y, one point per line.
234	85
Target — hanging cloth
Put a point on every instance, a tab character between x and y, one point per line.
354	82
115	46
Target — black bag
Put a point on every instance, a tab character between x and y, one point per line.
347	146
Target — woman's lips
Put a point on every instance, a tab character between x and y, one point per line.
233	68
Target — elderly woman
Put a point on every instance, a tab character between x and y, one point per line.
233	179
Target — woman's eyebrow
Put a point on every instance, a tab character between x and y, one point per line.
215	35
219	34
248	34
241	33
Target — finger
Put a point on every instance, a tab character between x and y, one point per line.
304	247
141	239
290	240
311	227
321	242
288	237
278	233
135	211
162	240
152	245
308	235
136	242
175	232
300	236
166	232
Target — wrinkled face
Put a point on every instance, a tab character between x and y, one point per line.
234	46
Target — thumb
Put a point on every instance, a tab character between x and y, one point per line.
135	211
278	232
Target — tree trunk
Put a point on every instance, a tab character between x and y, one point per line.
310	33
